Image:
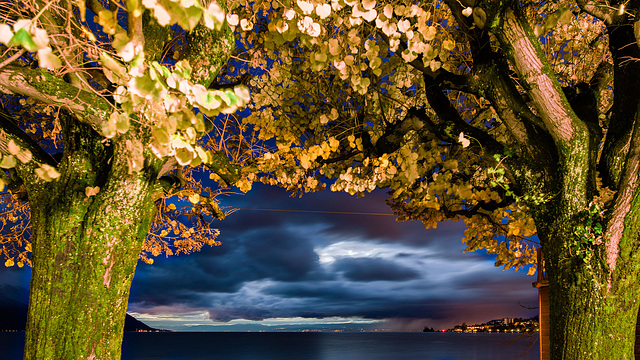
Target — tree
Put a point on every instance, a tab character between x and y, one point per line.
518	118
499	114
109	110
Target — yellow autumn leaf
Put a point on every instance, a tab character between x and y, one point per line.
91	191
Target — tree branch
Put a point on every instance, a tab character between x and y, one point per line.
208	52
628	193
11	131
542	86
569	133
48	89
600	10
451	124
626	76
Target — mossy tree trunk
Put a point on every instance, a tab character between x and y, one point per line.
588	226
593	310
582	185
85	248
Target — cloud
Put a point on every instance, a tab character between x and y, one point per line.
373	269
325	265
310	267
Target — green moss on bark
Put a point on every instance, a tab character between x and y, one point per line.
208	52
85	250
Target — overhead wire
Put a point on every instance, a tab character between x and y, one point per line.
319	211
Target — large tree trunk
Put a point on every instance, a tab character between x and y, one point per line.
594	308
85	250
591	252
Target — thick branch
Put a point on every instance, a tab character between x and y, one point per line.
600	10
491	76
208	52
451	124
480	208
505	98
538	79
48	89
628	191
626	76
11	131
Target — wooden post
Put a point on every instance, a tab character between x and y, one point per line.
543	308
636	348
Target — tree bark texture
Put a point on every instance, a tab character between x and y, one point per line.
592	316
85	250
591	251
588	213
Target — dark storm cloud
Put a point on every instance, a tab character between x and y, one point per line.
273	253
322	265
373	269
330	299
318	265
368	227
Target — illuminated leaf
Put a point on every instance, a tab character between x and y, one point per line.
370	15
194	198
121	122
5	34
8	162
108	21
368	4
113	70
214	16
448	45
47	60
40	38
24	39
123	46
404	25
47	172
210	100
305	6
233	19
162	15
464	141
434	65
479	17
91	191
243	94
246	24
202	154
25	24
13	148
323	11
431	33
184	156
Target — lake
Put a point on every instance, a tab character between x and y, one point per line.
312	346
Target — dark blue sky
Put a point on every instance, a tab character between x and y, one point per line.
299	268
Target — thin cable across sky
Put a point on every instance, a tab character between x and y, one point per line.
319	211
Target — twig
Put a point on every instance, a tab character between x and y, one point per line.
12	58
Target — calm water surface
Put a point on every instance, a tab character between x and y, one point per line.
312	346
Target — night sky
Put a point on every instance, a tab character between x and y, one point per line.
301	270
